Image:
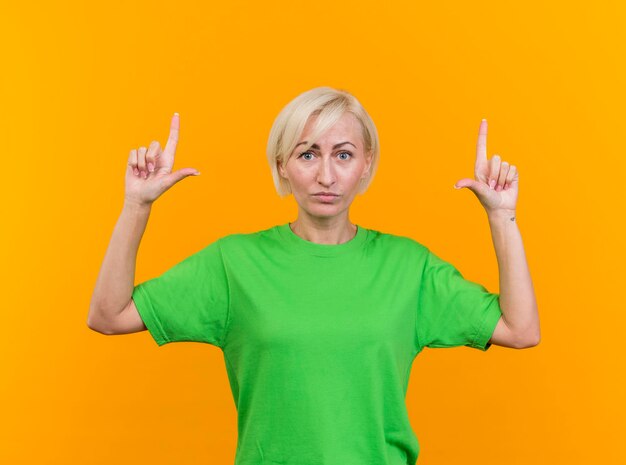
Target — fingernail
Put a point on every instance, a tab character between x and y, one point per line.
196	174
150	167
492	183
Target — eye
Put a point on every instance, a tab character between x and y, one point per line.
303	154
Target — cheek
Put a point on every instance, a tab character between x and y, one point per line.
355	175
301	174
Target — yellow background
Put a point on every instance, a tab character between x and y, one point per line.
83	83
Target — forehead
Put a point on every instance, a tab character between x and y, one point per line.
347	126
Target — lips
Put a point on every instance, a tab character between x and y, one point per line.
326	198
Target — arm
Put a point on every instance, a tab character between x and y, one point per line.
148	175
496	186
114	286
520	318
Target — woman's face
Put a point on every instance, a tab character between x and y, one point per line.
334	164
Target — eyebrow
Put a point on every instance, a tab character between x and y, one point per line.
315	146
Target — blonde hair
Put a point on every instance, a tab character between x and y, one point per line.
329	105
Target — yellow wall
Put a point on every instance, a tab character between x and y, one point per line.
81	84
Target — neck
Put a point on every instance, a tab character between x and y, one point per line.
333	231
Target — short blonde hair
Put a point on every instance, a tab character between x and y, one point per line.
328	105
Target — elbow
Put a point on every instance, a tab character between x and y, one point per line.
90	323
99	329
95	324
92	327
530	341
91	318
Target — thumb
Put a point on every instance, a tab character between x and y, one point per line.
179	175
476	187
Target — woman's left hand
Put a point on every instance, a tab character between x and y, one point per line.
496	181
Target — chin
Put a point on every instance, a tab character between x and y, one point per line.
328	211
323	210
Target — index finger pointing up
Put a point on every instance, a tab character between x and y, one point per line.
170	147
481	145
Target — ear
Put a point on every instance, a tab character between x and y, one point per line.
281	169
368	163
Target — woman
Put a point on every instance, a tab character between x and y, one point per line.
319	319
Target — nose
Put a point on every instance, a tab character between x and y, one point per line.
325	173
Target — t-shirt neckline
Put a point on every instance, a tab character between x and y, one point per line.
325	250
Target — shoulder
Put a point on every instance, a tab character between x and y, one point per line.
396	242
402	250
238	242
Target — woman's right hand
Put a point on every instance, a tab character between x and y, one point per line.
149	171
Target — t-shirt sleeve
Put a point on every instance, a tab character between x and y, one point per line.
188	302
453	311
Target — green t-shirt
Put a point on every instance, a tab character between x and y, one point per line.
319	339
